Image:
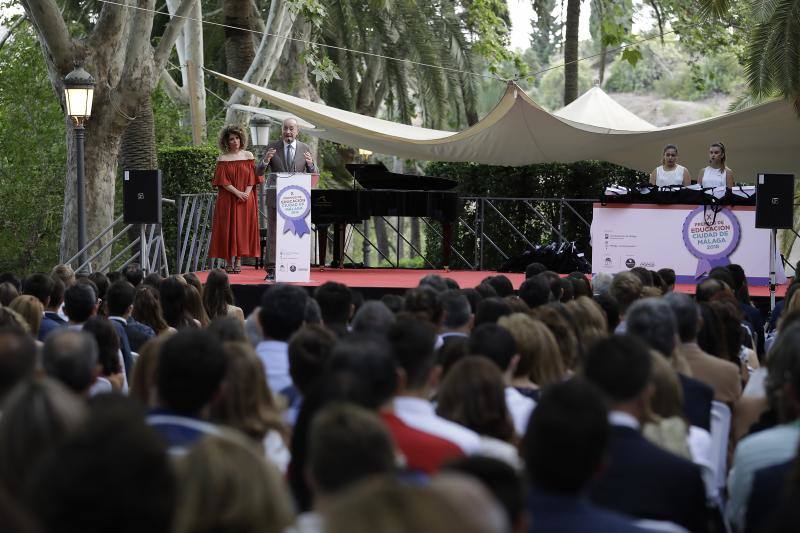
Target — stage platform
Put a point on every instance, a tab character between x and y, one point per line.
375	282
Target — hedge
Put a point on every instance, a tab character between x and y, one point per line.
186	170
582	179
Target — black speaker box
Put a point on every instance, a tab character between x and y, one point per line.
775	201
141	196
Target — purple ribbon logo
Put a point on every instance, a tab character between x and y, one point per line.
710	237
294	205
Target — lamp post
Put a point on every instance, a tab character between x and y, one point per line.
78	95
259	137
259	131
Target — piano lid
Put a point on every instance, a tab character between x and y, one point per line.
377	176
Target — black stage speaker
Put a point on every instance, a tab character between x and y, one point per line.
141	196
775	201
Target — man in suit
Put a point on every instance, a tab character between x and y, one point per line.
285	155
565	448
119	302
719	374
641	479
652	320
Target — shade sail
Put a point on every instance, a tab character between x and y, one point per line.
597	108
764	138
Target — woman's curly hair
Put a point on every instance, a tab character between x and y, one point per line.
234	129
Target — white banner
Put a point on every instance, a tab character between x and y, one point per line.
689	239
293	224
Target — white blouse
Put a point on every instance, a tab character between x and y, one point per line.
714	177
665	178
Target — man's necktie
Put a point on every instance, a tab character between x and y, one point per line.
289	157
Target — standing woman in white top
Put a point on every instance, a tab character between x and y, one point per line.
670	172
716	174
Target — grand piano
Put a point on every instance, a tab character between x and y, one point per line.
382	193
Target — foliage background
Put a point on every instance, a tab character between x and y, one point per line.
32	158
582	179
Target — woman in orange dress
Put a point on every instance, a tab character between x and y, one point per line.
234	233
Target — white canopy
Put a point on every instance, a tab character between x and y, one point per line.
764	138
597	108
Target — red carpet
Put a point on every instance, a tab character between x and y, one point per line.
390	278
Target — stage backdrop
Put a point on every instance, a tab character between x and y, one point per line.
293	213
687	238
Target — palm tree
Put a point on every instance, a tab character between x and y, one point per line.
571	51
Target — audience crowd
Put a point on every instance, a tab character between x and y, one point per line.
132	402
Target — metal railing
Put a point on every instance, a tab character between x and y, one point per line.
147	248
195	213
476	210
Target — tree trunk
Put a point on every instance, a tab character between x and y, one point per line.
571	51
240	47
303	87
381	238
415	233
100	160
601	74
138	149
126	67
280	22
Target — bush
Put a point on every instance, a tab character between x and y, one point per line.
582	179
186	170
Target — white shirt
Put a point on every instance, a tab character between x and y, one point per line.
618	418
754	452
274	356
502	451
714	177
520	407
440	338
276	451
420	415
665	178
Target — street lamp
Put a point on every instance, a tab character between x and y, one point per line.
259	131
259	138
364	153
78	95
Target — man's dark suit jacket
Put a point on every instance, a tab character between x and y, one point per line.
644	481
278	161
765	496
566	513
697	398
138	334
50	322
124	346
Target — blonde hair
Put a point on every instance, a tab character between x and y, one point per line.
540	357
65	274
234	129
383	504
667	400
31	309
254	499
591	320
246	403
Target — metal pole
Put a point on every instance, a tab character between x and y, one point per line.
481	234
80	136
143	247
365	244
772	281
560	222
179	248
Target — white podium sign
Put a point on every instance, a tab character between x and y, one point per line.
689	239
293	225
